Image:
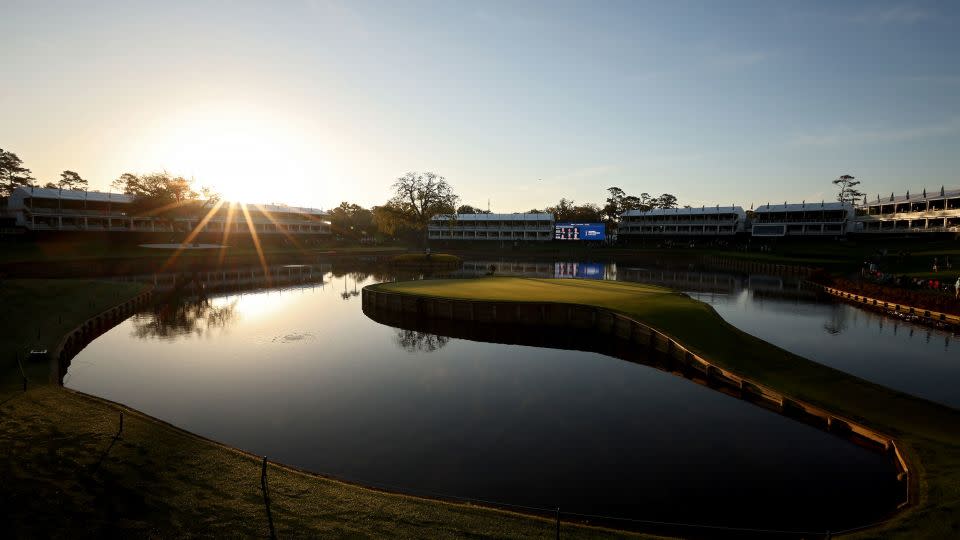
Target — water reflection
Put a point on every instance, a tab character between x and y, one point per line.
183	316
414	341
308	379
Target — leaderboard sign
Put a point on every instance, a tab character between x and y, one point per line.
579	231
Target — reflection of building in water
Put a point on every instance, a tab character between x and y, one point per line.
684	280
790	288
510	268
234	278
582	270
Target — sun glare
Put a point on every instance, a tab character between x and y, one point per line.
238	151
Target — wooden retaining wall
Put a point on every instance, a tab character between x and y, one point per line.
928	316
607	322
75	340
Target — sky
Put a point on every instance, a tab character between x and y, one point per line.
517	103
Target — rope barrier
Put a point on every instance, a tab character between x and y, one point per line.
598	517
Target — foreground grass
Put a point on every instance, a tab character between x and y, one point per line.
64	473
928	433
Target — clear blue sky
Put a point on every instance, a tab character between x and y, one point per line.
716	102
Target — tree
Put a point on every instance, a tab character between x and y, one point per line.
665	201
849	193
71	180
166	196
614	206
467	209
352	220
51	185
417	198
12	173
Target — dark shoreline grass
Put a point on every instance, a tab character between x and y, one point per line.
927	432
65	475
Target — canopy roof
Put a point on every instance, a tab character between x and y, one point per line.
913	196
702	211
496	217
803	207
122	198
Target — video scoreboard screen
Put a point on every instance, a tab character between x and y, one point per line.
579	231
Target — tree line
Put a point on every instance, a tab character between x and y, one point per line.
416	198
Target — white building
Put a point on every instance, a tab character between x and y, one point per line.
703	221
507	227
803	219
44	209
923	212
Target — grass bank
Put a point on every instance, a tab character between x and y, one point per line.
65	475
928	433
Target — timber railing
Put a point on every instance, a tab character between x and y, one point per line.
894	308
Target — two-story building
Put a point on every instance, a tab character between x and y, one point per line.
704	221
45	209
803	219
505	227
922	213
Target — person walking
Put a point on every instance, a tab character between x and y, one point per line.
956	289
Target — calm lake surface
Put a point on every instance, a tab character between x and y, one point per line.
300	374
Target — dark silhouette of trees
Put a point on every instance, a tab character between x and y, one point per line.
12	173
467	209
849	192
71	180
417	198
352	221
413	341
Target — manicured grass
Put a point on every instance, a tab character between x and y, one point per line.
928	433
64	475
36	314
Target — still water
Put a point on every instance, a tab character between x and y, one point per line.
300	374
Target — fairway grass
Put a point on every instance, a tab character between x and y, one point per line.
928	433
64	473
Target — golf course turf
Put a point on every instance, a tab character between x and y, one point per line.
927	433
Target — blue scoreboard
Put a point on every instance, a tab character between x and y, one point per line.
579	231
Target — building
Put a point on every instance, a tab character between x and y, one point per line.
814	219
44	209
505	227
704	221
923	213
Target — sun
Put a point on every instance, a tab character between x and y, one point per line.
241	152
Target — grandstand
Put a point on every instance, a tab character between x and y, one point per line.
46	209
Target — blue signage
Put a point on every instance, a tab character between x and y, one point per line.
579	231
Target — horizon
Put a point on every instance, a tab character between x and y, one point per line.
323	102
